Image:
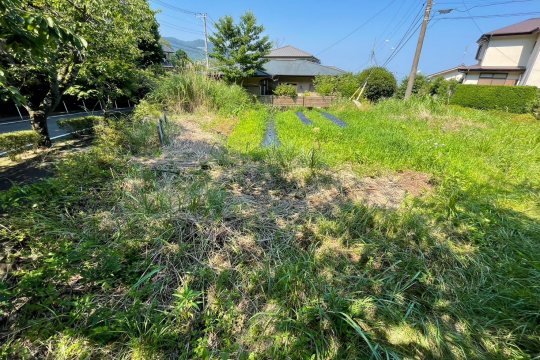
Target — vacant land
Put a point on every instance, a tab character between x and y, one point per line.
413	232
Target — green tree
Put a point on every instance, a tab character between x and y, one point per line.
25	31
420	87
150	46
180	59
104	48
380	83
239	48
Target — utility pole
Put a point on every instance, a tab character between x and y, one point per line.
204	16
414	69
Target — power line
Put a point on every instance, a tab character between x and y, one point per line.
490	16
357	28
175	8
414	23
482	32
186	20
180	28
491	4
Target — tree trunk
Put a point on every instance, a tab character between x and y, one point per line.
38	119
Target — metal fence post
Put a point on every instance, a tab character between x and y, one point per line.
19	111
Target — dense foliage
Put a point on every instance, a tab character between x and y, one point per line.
96	48
379	83
239	48
421	86
343	85
516	99
192	90
442	89
285	90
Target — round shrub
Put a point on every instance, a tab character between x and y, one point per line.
381	83
285	90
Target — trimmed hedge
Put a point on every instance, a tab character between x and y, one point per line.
16	142
79	124
514	99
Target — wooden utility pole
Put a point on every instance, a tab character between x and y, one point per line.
414	69
204	16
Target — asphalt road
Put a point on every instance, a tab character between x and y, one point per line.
54	130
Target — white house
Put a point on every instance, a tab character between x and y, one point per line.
507	56
450	74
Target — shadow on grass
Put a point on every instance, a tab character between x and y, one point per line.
36	168
235	257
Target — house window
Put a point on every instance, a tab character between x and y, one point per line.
493	79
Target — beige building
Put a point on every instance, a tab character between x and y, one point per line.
507	56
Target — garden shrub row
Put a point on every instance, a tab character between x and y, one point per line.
16	142
514	99
79	124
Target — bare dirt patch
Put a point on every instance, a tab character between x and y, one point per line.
387	191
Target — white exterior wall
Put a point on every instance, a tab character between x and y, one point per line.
532	74
508	50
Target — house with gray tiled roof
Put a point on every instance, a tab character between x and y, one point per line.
288	65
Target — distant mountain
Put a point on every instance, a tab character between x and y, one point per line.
194	48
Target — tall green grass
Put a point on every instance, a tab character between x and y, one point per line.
113	259
193	90
248	134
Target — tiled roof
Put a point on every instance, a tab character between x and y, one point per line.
297	68
525	27
289	52
446	71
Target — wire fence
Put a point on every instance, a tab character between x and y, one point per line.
68	105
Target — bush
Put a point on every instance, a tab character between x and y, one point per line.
325	84
380	83
145	109
15	142
514	99
441	88
85	123
343	85
421	86
347	84
191	90
285	90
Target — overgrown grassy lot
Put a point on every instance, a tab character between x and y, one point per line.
215	248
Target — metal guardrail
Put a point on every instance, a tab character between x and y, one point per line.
121	110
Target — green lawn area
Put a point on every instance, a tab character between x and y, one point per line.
139	252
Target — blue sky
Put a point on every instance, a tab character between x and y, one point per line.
343	33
